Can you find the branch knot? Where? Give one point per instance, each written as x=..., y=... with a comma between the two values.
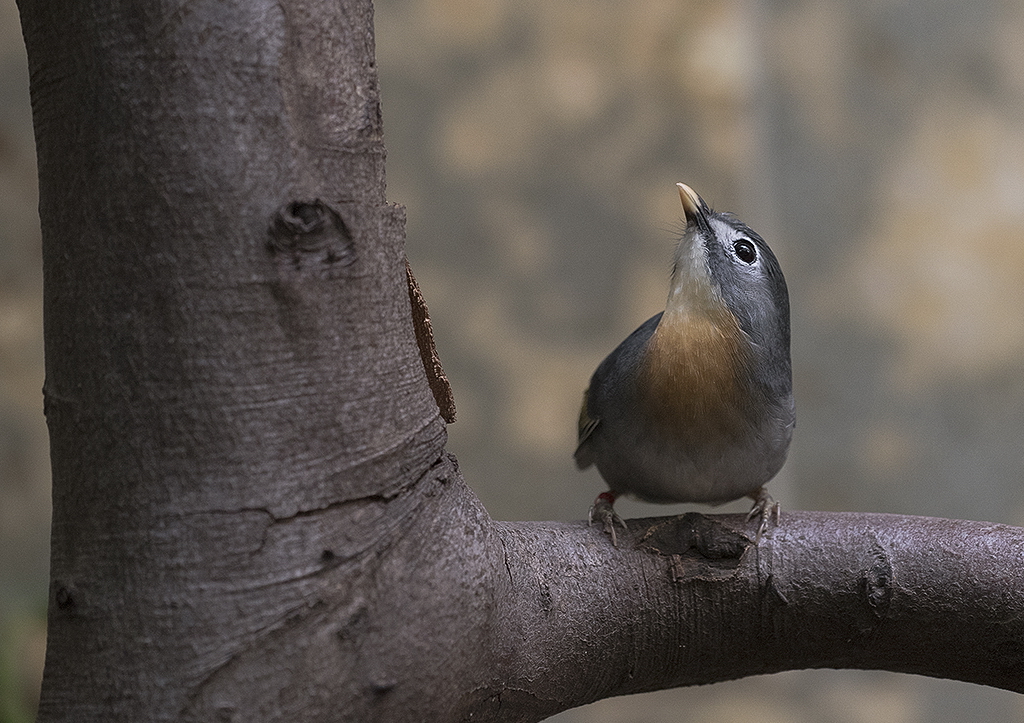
x=311, y=234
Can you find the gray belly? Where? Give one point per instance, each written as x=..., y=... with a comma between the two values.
x=639, y=461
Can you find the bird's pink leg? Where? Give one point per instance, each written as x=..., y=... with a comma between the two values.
x=603, y=511
x=765, y=508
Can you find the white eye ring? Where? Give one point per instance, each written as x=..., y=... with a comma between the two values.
x=745, y=251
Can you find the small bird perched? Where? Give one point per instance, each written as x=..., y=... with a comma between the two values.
x=696, y=405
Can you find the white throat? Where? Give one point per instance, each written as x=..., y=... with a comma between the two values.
x=691, y=290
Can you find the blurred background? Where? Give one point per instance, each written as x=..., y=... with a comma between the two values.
x=878, y=145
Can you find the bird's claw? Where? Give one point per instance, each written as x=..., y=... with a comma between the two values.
x=766, y=509
x=603, y=511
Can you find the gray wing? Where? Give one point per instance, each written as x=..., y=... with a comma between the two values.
x=585, y=428
x=612, y=377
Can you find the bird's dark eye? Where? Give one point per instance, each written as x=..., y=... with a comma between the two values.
x=745, y=251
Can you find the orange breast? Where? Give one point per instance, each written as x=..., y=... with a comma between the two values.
x=694, y=378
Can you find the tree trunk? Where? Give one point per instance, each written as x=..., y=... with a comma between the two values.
x=254, y=515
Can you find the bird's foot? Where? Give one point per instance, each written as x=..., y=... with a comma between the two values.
x=765, y=509
x=602, y=511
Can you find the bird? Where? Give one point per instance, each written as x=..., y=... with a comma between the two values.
x=696, y=405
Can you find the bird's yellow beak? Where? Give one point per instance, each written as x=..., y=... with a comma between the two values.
x=691, y=201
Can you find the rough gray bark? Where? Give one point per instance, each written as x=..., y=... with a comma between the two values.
x=254, y=516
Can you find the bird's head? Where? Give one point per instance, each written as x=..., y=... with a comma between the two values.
x=724, y=268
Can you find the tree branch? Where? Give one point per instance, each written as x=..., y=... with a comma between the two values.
x=471, y=619
x=695, y=601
